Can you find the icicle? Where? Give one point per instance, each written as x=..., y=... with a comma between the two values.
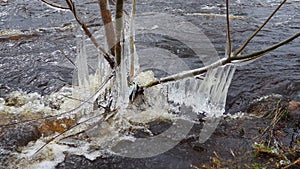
x=82, y=71
x=207, y=95
x=122, y=86
x=134, y=65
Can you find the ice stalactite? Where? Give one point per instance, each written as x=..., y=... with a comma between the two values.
x=81, y=84
x=207, y=95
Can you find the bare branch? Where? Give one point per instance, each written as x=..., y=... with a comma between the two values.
x=221, y=62
x=292, y=164
x=54, y=5
x=238, y=51
x=265, y=51
x=89, y=34
x=189, y=73
x=229, y=48
x=57, y=137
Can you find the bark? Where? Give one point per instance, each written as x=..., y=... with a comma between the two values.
x=108, y=25
x=119, y=28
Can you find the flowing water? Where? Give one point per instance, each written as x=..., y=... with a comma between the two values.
x=36, y=61
x=38, y=42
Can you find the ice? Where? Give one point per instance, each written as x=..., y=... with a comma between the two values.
x=133, y=59
x=82, y=67
x=122, y=85
x=207, y=95
x=129, y=65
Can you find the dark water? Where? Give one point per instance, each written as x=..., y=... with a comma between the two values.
x=34, y=60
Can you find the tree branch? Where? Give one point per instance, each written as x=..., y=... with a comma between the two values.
x=54, y=5
x=221, y=62
x=89, y=34
x=238, y=51
x=265, y=51
x=229, y=47
x=189, y=73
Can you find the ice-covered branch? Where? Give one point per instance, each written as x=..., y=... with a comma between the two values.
x=221, y=62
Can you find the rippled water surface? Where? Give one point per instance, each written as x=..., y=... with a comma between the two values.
x=36, y=41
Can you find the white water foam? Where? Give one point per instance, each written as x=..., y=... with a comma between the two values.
x=206, y=96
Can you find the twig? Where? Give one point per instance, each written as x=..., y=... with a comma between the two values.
x=277, y=116
x=68, y=58
x=229, y=47
x=221, y=62
x=238, y=51
x=294, y=163
x=64, y=132
x=267, y=50
x=54, y=5
x=89, y=34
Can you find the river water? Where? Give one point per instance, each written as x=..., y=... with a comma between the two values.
x=35, y=41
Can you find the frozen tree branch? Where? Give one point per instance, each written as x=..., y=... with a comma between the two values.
x=221, y=62
x=232, y=58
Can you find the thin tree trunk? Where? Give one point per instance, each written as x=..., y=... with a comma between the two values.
x=119, y=28
x=108, y=25
x=90, y=35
